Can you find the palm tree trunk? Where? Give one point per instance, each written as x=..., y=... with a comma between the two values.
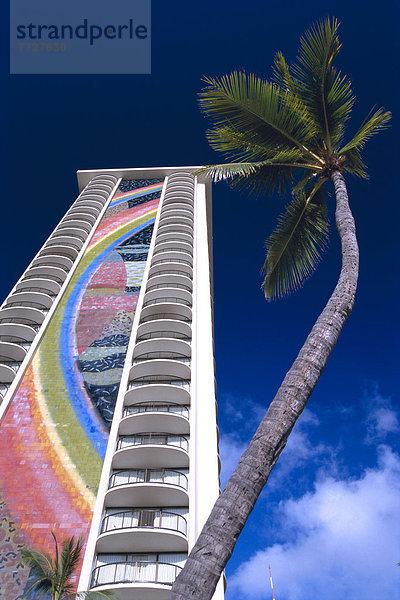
x=217, y=540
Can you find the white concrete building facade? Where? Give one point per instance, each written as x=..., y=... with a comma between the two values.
x=160, y=474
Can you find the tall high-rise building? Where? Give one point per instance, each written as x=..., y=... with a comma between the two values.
x=108, y=413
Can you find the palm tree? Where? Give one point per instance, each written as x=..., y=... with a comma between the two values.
x=52, y=576
x=288, y=131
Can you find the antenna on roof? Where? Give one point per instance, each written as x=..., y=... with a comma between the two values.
x=272, y=584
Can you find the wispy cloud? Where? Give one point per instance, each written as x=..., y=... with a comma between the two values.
x=343, y=541
x=382, y=419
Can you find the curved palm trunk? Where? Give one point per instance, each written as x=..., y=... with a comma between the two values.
x=217, y=540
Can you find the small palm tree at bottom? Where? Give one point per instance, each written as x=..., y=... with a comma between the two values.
x=53, y=576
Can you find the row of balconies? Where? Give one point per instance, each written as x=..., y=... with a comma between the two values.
x=26, y=308
x=148, y=486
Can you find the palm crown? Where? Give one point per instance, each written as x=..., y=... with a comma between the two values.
x=289, y=131
x=52, y=576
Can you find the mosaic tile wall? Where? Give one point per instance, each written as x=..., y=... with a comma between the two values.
x=54, y=435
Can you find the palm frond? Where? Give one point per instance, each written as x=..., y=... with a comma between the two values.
x=256, y=178
x=41, y=569
x=258, y=108
x=373, y=124
x=295, y=247
x=325, y=92
x=354, y=163
x=245, y=147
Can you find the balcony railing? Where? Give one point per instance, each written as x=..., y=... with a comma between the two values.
x=137, y=476
x=157, y=439
x=21, y=321
x=27, y=304
x=171, y=299
x=4, y=387
x=55, y=242
x=161, y=356
x=154, y=519
x=170, y=272
x=164, y=334
x=176, y=409
x=179, y=286
x=135, y=572
x=161, y=261
x=168, y=315
x=35, y=289
x=182, y=383
x=49, y=276
x=13, y=339
x=159, y=250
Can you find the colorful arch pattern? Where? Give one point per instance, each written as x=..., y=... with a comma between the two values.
x=54, y=435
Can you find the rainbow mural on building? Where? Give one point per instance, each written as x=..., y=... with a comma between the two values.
x=55, y=432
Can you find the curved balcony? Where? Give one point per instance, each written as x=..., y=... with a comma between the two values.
x=7, y=372
x=154, y=449
x=64, y=240
x=170, y=256
x=62, y=262
x=159, y=369
x=175, y=236
x=11, y=352
x=143, y=530
x=166, y=310
x=57, y=274
x=162, y=391
x=176, y=203
x=165, y=249
x=162, y=348
x=182, y=186
x=47, y=285
x=177, y=245
x=156, y=417
x=39, y=300
x=147, y=487
x=89, y=202
x=16, y=332
x=75, y=225
x=83, y=211
x=141, y=580
x=165, y=296
x=178, y=211
x=21, y=314
x=42, y=295
x=174, y=228
x=164, y=328
x=169, y=280
x=60, y=250
x=175, y=221
x=171, y=268
x=75, y=216
x=73, y=232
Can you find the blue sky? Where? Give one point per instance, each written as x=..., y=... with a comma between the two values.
x=328, y=518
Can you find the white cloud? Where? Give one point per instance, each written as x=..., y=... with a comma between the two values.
x=382, y=419
x=298, y=450
x=344, y=542
x=230, y=450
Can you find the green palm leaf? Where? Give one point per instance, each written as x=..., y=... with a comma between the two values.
x=295, y=247
x=255, y=177
x=257, y=108
x=244, y=147
x=372, y=125
x=324, y=91
x=41, y=569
